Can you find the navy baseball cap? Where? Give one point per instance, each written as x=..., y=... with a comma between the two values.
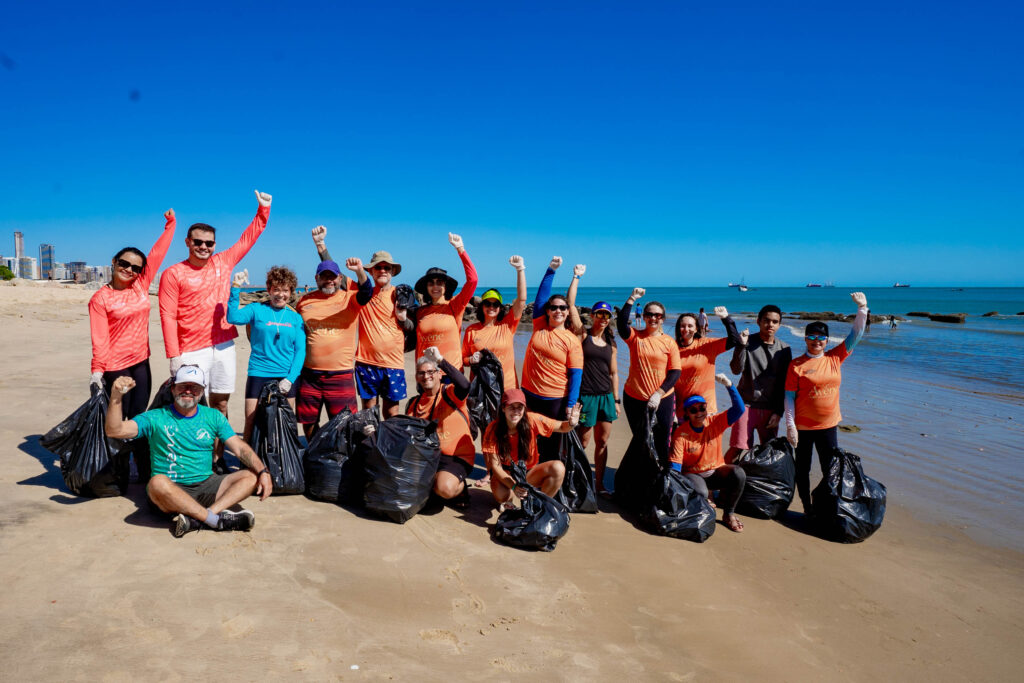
x=602, y=306
x=330, y=266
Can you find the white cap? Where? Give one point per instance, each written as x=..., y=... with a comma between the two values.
x=190, y=373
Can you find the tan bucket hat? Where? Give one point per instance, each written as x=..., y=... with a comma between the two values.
x=384, y=257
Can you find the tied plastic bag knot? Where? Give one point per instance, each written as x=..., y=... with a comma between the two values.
x=848, y=505
x=400, y=467
x=276, y=441
x=538, y=524
x=333, y=462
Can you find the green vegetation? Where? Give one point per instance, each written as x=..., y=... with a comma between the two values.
x=5, y=273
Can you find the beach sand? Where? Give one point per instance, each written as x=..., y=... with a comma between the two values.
x=100, y=590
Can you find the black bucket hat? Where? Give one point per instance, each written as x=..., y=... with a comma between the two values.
x=449, y=282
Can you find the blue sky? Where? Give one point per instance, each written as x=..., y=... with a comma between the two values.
x=673, y=143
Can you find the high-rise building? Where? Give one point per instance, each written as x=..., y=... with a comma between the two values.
x=47, y=261
x=27, y=268
x=76, y=271
x=19, y=251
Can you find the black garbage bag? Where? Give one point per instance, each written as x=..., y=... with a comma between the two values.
x=164, y=397
x=405, y=298
x=276, y=440
x=333, y=462
x=677, y=509
x=538, y=524
x=638, y=469
x=848, y=505
x=577, y=492
x=771, y=479
x=400, y=467
x=91, y=463
x=484, y=400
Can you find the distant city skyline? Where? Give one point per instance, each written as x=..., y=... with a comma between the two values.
x=659, y=143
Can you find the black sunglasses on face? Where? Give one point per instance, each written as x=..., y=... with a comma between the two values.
x=196, y=242
x=655, y=316
x=121, y=263
x=699, y=408
x=558, y=308
x=490, y=303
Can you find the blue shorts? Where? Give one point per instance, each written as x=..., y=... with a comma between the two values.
x=372, y=381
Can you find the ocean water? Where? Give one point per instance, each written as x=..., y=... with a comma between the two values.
x=939, y=407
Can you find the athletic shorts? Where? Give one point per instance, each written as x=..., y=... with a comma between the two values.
x=205, y=492
x=742, y=435
x=217, y=363
x=319, y=388
x=457, y=467
x=254, y=386
x=597, y=408
x=373, y=381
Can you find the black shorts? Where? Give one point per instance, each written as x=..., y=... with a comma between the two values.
x=254, y=385
x=205, y=492
x=457, y=467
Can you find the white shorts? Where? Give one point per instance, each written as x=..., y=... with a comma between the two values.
x=217, y=363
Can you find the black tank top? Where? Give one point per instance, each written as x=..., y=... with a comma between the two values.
x=597, y=368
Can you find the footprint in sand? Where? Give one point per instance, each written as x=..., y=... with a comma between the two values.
x=437, y=635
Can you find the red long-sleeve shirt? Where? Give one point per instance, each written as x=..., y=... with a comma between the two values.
x=441, y=324
x=193, y=300
x=119, y=318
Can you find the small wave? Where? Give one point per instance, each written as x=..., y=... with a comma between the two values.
x=796, y=332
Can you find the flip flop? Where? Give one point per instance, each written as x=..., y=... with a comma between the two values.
x=735, y=524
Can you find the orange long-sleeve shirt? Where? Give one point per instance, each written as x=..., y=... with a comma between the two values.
x=119, y=318
x=441, y=324
x=193, y=300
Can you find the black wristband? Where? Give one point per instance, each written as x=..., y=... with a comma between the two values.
x=265, y=470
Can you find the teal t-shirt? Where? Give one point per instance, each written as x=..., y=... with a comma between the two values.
x=182, y=447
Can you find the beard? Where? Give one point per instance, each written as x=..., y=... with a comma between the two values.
x=185, y=403
x=329, y=288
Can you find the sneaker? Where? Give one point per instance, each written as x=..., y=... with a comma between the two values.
x=184, y=524
x=243, y=520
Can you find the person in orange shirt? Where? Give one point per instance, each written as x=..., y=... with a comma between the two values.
x=380, y=354
x=439, y=320
x=553, y=364
x=697, y=355
x=812, y=397
x=331, y=316
x=446, y=405
x=497, y=327
x=513, y=438
x=697, y=451
x=119, y=327
x=653, y=372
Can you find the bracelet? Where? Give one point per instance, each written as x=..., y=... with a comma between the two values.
x=265, y=470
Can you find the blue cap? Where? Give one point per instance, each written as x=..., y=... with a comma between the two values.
x=602, y=306
x=696, y=398
x=328, y=266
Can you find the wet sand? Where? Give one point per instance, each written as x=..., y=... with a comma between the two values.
x=98, y=589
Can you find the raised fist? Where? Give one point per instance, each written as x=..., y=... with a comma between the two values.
x=169, y=214
x=723, y=380
x=455, y=241
x=517, y=262
x=859, y=299
x=354, y=263
x=721, y=312
x=579, y=269
x=555, y=262
x=319, y=234
x=433, y=354
x=638, y=293
x=123, y=385
x=241, y=278
x=744, y=336
x=263, y=198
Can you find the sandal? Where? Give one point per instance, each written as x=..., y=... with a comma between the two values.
x=732, y=522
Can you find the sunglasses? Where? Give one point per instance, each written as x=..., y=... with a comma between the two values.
x=490, y=303
x=121, y=263
x=817, y=337
x=382, y=266
x=655, y=316
x=196, y=242
x=698, y=408
x=427, y=372
x=603, y=314
x=437, y=281
x=558, y=308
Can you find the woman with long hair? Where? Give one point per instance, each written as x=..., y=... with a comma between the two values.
x=553, y=364
x=439, y=320
x=697, y=355
x=278, y=338
x=496, y=326
x=513, y=438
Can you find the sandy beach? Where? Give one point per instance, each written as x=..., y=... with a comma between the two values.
x=100, y=590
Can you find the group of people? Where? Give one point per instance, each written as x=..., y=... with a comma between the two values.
x=348, y=338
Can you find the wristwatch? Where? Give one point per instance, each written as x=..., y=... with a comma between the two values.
x=265, y=470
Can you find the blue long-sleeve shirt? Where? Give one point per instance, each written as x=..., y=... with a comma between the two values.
x=278, y=338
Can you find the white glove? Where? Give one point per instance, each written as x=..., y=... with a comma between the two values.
x=285, y=386
x=654, y=401
x=791, y=435
x=574, y=414
x=240, y=279
x=319, y=234
x=175, y=364
x=723, y=380
x=475, y=358
x=555, y=262
x=638, y=293
x=859, y=299
x=369, y=430
x=721, y=312
x=744, y=336
x=97, y=379
x=455, y=241
x=579, y=269
x=433, y=354
x=263, y=198
x=517, y=263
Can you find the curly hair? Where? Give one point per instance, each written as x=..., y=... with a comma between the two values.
x=281, y=276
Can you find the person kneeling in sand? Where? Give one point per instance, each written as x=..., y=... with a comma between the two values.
x=181, y=440
x=513, y=437
x=697, y=451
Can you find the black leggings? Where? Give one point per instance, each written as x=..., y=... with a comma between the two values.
x=636, y=415
x=824, y=441
x=548, y=446
x=728, y=479
x=135, y=402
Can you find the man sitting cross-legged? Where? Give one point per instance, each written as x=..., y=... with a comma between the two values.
x=181, y=439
